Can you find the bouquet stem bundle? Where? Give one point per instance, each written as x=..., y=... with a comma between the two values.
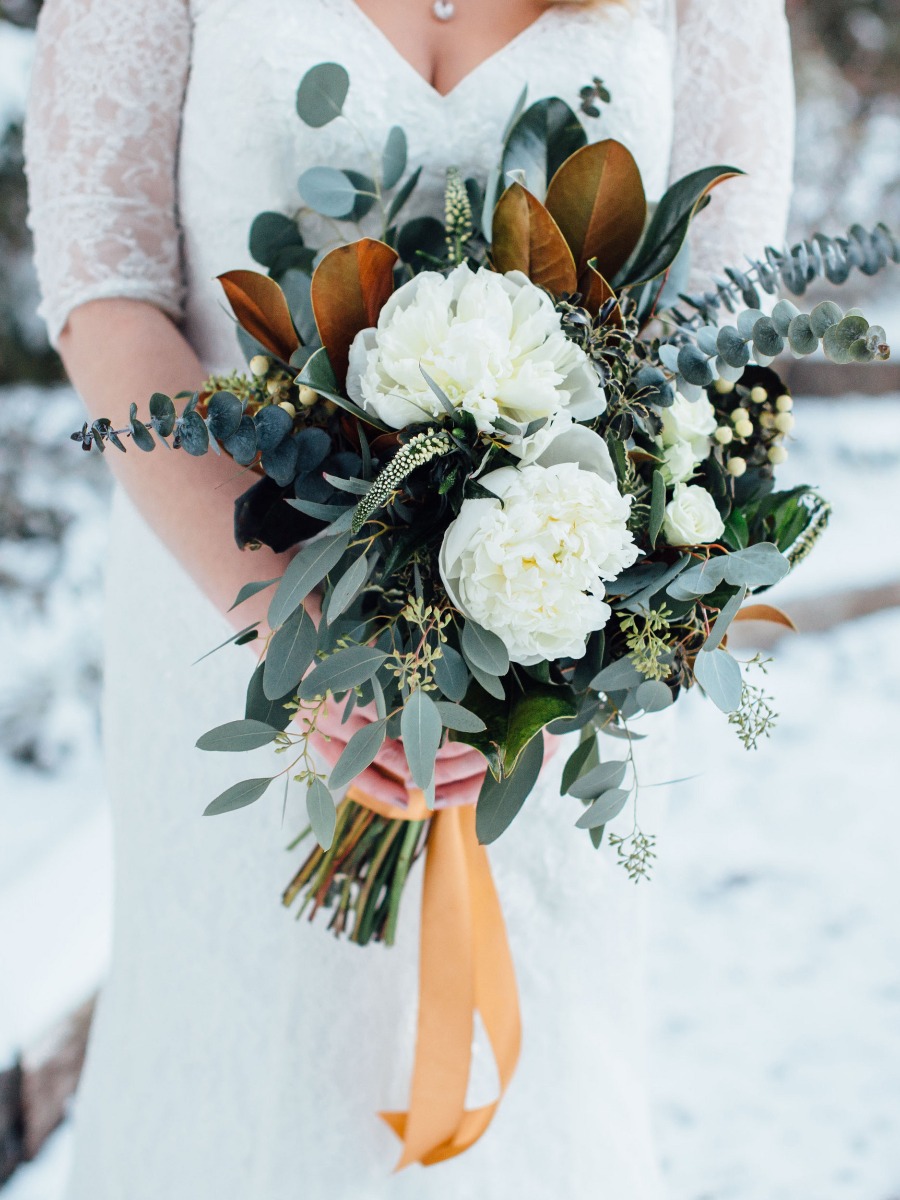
x=360, y=878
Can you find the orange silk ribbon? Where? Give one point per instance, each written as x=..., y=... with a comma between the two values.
x=465, y=964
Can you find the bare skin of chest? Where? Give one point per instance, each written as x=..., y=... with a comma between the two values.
x=444, y=52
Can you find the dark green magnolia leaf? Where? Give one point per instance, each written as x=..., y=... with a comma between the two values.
x=239, y=795
x=305, y=571
x=454, y=716
x=321, y=812
x=724, y=619
x=450, y=674
x=607, y=775
x=603, y=810
x=290, y=652
x=162, y=410
x=421, y=730
x=670, y=224
x=501, y=800
x=252, y=589
x=194, y=434
x=238, y=736
x=358, y=754
x=347, y=589
x=223, y=415
x=421, y=242
x=539, y=142
x=342, y=671
x=393, y=160
x=318, y=374
x=321, y=94
x=720, y=677
x=532, y=712
x=484, y=649
x=657, y=507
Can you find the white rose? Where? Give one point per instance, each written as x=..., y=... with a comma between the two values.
x=691, y=421
x=678, y=463
x=529, y=565
x=493, y=344
x=692, y=518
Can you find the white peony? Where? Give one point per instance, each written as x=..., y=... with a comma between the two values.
x=529, y=565
x=691, y=421
x=493, y=343
x=678, y=463
x=692, y=518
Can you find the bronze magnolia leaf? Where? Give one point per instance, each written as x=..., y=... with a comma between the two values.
x=597, y=200
x=350, y=286
x=526, y=238
x=260, y=307
x=595, y=292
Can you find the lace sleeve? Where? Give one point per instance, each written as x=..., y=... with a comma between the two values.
x=734, y=104
x=101, y=142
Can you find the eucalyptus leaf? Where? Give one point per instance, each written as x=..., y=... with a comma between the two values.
x=484, y=649
x=347, y=589
x=501, y=800
x=724, y=619
x=657, y=507
x=162, y=410
x=194, y=434
x=358, y=754
x=576, y=762
x=617, y=677
x=321, y=94
x=321, y=812
x=304, y=572
x=609, y=805
x=223, y=415
x=260, y=708
x=328, y=191
x=341, y=671
x=421, y=730
x=393, y=160
x=450, y=674
x=290, y=652
x=600, y=779
x=239, y=795
x=653, y=696
x=238, y=736
x=454, y=716
x=234, y=638
x=720, y=677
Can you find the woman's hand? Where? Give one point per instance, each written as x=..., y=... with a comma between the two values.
x=117, y=351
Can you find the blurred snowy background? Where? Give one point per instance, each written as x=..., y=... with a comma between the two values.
x=775, y=992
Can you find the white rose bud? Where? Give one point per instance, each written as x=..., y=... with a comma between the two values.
x=724, y=435
x=784, y=403
x=785, y=422
x=692, y=518
x=778, y=455
x=679, y=463
x=259, y=365
x=737, y=466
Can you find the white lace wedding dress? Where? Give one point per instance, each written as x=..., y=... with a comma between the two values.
x=238, y=1055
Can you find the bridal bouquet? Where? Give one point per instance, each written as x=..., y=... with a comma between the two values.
x=530, y=480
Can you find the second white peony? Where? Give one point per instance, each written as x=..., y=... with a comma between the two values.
x=493, y=344
x=529, y=566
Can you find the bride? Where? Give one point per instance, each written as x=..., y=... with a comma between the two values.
x=237, y=1055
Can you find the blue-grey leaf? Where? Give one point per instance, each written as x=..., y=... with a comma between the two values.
x=484, y=649
x=600, y=779
x=421, y=730
x=654, y=696
x=242, y=445
x=321, y=94
x=454, y=716
x=304, y=572
x=239, y=795
x=290, y=652
x=273, y=425
x=321, y=812
x=617, y=677
x=393, y=160
x=252, y=589
x=347, y=589
x=760, y=565
x=234, y=638
x=500, y=801
x=223, y=415
x=341, y=671
x=724, y=619
x=451, y=674
x=720, y=677
x=609, y=805
x=237, y=736
x=328, y=191
x=194, y=434
x=358, y=754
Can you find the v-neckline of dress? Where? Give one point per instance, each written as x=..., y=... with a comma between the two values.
x=375, y=30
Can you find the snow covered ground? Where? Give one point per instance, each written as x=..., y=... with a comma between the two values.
x=776, y=960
